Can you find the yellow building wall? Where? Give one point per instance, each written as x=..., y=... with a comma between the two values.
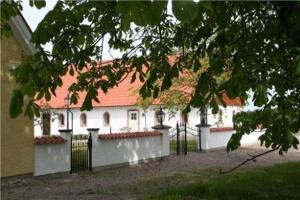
x=17, y=137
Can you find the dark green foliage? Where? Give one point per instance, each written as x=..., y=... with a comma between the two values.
x=257, y=42
x=10, y=8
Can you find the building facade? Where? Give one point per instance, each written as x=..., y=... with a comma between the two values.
x=17, y=147
x=115, y=119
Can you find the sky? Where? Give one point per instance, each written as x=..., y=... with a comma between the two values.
x=34, y=16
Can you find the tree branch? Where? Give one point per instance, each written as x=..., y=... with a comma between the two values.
x=253, y=158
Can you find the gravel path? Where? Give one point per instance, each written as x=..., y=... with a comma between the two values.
x=133, y=181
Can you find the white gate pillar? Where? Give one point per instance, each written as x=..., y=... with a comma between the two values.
x=66, y=134
x=204, y=137
x=165, y=139
x=92, y=144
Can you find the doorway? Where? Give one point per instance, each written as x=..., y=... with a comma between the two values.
x=133, y=120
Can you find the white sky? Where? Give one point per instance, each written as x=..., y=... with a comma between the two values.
x=34, y=16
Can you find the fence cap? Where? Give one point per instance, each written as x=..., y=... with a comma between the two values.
x=92, y=129
x=65, y=130
x=157, y=127
x=203, y=125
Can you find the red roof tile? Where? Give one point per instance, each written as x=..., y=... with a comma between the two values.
x=49, y=139
x=121, y=95
x=221, y=129
x=116, y=136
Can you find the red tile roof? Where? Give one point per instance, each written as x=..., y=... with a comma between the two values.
x=116, y=136
x=121, y=95
x=49, y=139
x=221, y=129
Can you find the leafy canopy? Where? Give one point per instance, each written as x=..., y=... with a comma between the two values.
x=10, y=9
x=258, y=42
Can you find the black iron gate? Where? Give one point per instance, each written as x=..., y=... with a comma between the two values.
x=81, y=153
x=184, y=139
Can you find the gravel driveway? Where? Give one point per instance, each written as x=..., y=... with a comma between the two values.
x=133, y=182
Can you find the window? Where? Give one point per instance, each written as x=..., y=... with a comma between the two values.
x=133, y=116
x=46, y=117
x=61, y=120
x=83, y=119
x=106, y=119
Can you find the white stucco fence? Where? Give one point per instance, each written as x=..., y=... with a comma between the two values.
x=53, y=158
x=215, y=140
x=129, y=150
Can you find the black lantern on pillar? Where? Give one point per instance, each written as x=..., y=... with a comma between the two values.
x=203, y=116
x=67, y=101
x=160, y=116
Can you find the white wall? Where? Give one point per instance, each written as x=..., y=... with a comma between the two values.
x=53, y=158
x=118, y=119
x=130, y=150
x=219, y=139
x=213, y=140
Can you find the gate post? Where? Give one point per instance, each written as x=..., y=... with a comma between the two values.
x=185, y=139
x=67, y=135
x=177, y=139
x=204, y=136
x=199, y=142
x=165, y=144
x=93, y=132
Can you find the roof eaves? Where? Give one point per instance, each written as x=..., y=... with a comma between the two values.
x=23, y=33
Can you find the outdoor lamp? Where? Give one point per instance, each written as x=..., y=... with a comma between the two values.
x=160, y=116
x=203, y=116
x=67, y=101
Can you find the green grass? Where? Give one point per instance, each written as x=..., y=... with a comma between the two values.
x=276, y=182
x=191, y=145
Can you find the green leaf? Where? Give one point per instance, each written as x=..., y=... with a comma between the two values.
x=133, y=77
x=298, y=65
x=16, y=104
x=155, y=92
x=36, y=109
x=29, y=111
x=232, y=88
x=197, y=65
x=28, y=89
x=207, y=5
x=167, y=82
x=214, y=105
x=87, y=103
x=185, y=11
x=71, y=71
x=40, y=4
x=260, y=96
x=37, y=3
x=48, y=96
x=153, y=12
x=142, y=13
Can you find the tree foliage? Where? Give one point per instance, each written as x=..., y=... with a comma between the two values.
x=10, y=8
x=258, y=42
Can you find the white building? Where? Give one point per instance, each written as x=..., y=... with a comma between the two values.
x=117, y=112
